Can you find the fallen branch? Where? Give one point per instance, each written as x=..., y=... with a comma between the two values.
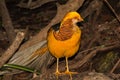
x=115, y=66
x=94, y=6
x=108, y=4
x=94, y=48
x=7, y=22
x=11, y=50
x=33, y=4
x=92, y=54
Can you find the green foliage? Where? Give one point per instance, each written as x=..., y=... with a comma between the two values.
x=23, y=68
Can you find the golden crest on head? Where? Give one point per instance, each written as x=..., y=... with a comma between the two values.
x=72, y=15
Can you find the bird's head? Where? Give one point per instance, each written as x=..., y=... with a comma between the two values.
x=73, y=16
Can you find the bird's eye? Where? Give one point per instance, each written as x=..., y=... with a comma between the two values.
x=79, y=23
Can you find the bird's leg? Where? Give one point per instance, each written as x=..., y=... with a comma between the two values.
x=57, y=71
x=67, y=69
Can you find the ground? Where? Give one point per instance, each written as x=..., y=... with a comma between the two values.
x=106, y=32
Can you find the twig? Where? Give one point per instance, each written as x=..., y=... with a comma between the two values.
x=94, y=39
x=112, y=10
x=92, y=54
x=94, y=6
x=33, y=4
x=94, y=48
x=115, y=66
x=29, y=3
x=11, y=50
x=7, y=22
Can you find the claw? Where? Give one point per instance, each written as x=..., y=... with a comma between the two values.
x=70, y=73
x=57, y=73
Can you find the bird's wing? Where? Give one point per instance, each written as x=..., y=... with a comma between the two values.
x=56, y=27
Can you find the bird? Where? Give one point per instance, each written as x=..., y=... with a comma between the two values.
x=64, y=40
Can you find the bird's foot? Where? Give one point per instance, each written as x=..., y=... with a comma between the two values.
x=70, y=73
x=57, y=73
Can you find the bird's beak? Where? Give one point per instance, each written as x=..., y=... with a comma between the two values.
x=80, y=20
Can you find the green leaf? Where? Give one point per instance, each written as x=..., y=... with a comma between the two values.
x=24, y=68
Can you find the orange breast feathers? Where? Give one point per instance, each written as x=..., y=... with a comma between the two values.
x=65, y=41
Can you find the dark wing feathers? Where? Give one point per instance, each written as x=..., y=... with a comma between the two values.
x=56, y=27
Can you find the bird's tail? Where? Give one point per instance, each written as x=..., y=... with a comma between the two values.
x=39, y=52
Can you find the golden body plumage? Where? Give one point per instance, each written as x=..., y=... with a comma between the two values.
x=65, y=48
x=65, y=41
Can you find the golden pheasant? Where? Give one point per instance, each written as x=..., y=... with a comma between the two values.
x=65, y=40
